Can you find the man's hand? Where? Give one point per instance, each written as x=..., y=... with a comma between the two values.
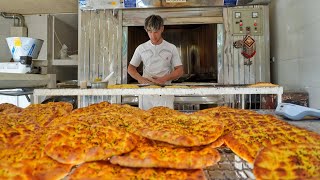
x=178, y=72
x=159, y=80
x=144, y=80
x=132, y=70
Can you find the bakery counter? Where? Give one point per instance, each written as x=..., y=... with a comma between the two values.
x=310, y=124
x=187, y=91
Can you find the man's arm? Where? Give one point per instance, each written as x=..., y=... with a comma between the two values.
x=175, y=74
x=132, y=70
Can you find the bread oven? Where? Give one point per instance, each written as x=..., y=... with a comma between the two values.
x=197, y=45
x=207, y=34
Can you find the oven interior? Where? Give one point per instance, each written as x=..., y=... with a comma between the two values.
x=196, y=43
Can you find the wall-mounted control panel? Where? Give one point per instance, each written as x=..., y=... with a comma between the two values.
x=247, y=19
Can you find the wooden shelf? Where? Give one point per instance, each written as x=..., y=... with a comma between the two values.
x=65, y=62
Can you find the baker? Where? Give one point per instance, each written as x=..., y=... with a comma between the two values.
x=161, y=63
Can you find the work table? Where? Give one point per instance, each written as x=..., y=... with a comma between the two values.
x=313, y=125
x=188, y=91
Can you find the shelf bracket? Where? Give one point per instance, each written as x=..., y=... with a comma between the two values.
x=115, y=12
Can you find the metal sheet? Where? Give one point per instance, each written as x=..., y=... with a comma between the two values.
x=18, y=80
x=118, y=4
x=173, y=16
x=100, y=48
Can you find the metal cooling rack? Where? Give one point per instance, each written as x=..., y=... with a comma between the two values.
x=230, y=167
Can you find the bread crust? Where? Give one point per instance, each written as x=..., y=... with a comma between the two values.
x=24, y=158
x=78, y=142
x=247, y=142
x=263, y=84
x=6, y=108
x=295, y=161
x=162, y=111
x=151, y=153
x=105, y=170
x=182, y=130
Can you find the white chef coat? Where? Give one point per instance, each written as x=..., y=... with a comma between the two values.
x=158, y=60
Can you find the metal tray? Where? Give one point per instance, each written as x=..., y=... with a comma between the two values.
x=144, y=85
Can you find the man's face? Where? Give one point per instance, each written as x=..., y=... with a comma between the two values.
x=155, y=36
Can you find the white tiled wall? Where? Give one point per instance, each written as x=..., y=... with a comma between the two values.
x=295, y=46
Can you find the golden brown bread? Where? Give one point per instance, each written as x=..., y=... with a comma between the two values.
x=149, y=153
x=182, y=130
x=105, y=170
x=294, y=161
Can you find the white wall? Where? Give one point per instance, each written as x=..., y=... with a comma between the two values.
x=32, y=22
x=20, y=101
x=37, y=25
x=295, y=45
x=5, y=25
x=39, y=6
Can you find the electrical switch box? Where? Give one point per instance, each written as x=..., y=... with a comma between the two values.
x=245, y=19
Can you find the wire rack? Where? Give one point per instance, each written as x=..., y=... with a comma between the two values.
x=230, y=166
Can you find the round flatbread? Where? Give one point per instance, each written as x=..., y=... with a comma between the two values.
x=246, y=143
x=162, y=111
x=105, y=170
x=150, y=153
x=24, y=158
x=78, y=142
x=295, y=161
x=182, y=130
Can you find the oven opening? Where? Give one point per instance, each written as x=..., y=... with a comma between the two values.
x=197, y=45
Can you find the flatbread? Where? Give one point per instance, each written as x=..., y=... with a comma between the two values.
x=13, y=171
x=263, y=84
x=24, y=158
x=6, y=108
x=78, y=142
x=235, y=119
x=157, y=154
x=45, y=113
x=122, y=121
x=247, y=142
x=107, y=171
x=12, y=125
x=294, y=161
x=123, y=86
x=182, y=130
x=162, y=111
x=177, y=86
x=105, y=107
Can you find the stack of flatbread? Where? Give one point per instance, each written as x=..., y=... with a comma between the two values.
x=105, y=141
x=22, y=140
x=277, y=149
x=168, y=145
x=113, y=141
